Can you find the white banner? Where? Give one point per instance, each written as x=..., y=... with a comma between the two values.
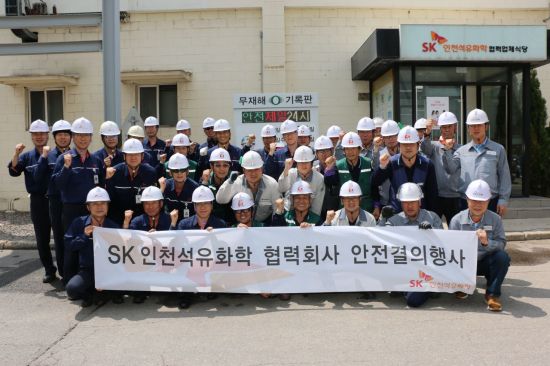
x=286, y=260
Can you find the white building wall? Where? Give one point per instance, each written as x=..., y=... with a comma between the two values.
x=306, y=46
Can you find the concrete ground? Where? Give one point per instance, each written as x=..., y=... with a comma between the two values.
x=39, y=326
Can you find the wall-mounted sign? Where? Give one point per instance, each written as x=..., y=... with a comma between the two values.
x=435, y=106
x=253, y=111
x=472, y=42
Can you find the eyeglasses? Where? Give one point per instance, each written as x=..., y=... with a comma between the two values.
x=242, y=212
x=208, y=128
x=222, y=165
x=175, y=171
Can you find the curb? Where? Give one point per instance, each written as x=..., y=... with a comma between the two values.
x=510, y=236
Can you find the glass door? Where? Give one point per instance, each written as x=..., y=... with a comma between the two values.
x=493, y=102
x=432, y=100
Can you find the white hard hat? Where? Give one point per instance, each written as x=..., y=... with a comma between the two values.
x=408, y=135
x=182, y=125
x=478, y=190
x=132, y=146
x=350, y=189
x=300, y=187
x=334, y=131
x=39, y=126
x=446, y=118
x=178, y=161
x=208, y=122
x=389, y=128
x=151, y=121
x=221, y=125
x=322, y=143
x=220, y=154
x=409, y=192
x=181, y=139
x=109, y=128
x=252, y=160
x=151, y=193
x=420, y=124
x=268, y=131
x=304, y=130
x=303, y=154
x=351, y=139
x=241, y=201
x=378, y=122
x=477, y=117
x=61, y=125
x=288, y=126
x=97, y=194
x=202, y=194
x=82, y=125
x=136, y=131
x=365, y=124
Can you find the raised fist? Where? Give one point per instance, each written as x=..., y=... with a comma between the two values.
x=251, y=139
x=279, y=205
x=330, y=162
x=384, y=160
x=378, y=141
x=168, y=142
x=174, y=217
x=19, y=148
x=162, y=158
x=67, y=160
x=45, y=151
x=108, y=160
x=203, y=151
x=330, y=216
x=288, y=164
x=110, y=172
x=162, y=183
x=128, y=215
x=205, y=176
x=449, y=143
x=272, y=148
x=429, y=126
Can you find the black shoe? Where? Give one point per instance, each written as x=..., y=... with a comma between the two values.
x=117, y=299
x=211, y=296
x=87, y=302
x=49, y=278
x=185, y=303
x=139, y=299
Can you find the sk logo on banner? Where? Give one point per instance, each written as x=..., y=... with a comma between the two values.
x=436, y=39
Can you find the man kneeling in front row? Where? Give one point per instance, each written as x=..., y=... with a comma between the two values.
x=492, y=259
x=410, y=195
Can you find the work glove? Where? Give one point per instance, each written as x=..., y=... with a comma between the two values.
x=425, y=225
x=387, y=212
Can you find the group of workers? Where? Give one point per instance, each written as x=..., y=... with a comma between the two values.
x=381, y=174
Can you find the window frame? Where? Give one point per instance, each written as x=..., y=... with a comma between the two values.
x=157, y=100
x=45, y=91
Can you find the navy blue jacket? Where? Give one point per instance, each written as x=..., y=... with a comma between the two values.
x=191, y=223
x=421, y=173
x=180, y=202
x=142, y=223
x=77, y=241
x=28, y=163
x=117, y=158
x=44, y=173
x=275, y=165
x=75, y=182
x=235, y=154
x=154, y=151
x=123, y=190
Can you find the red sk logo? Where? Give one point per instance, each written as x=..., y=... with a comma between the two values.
x=407, y=136
x=300, y=189
x=240, y=203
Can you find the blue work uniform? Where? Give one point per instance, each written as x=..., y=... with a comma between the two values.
x=235, y=154
x=154, y=151
x=39, y=207
x=125, y=190
x=82, y=285
x=102, y=153
x=421, y=173
x=146, y=223
x=44, y=174
x=274, y=165
x=180, y=201
x=192, y=223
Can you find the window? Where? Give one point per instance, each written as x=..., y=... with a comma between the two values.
x=160, y=101
x=46, y=105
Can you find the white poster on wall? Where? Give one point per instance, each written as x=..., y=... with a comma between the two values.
x=254, y=111
x=435, y=106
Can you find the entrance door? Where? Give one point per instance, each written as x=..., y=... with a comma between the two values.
x=432, y=100
x=493, y=102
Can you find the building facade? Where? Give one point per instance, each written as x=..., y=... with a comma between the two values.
x=187, y=59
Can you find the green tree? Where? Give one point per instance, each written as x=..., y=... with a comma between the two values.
x=539, y=157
